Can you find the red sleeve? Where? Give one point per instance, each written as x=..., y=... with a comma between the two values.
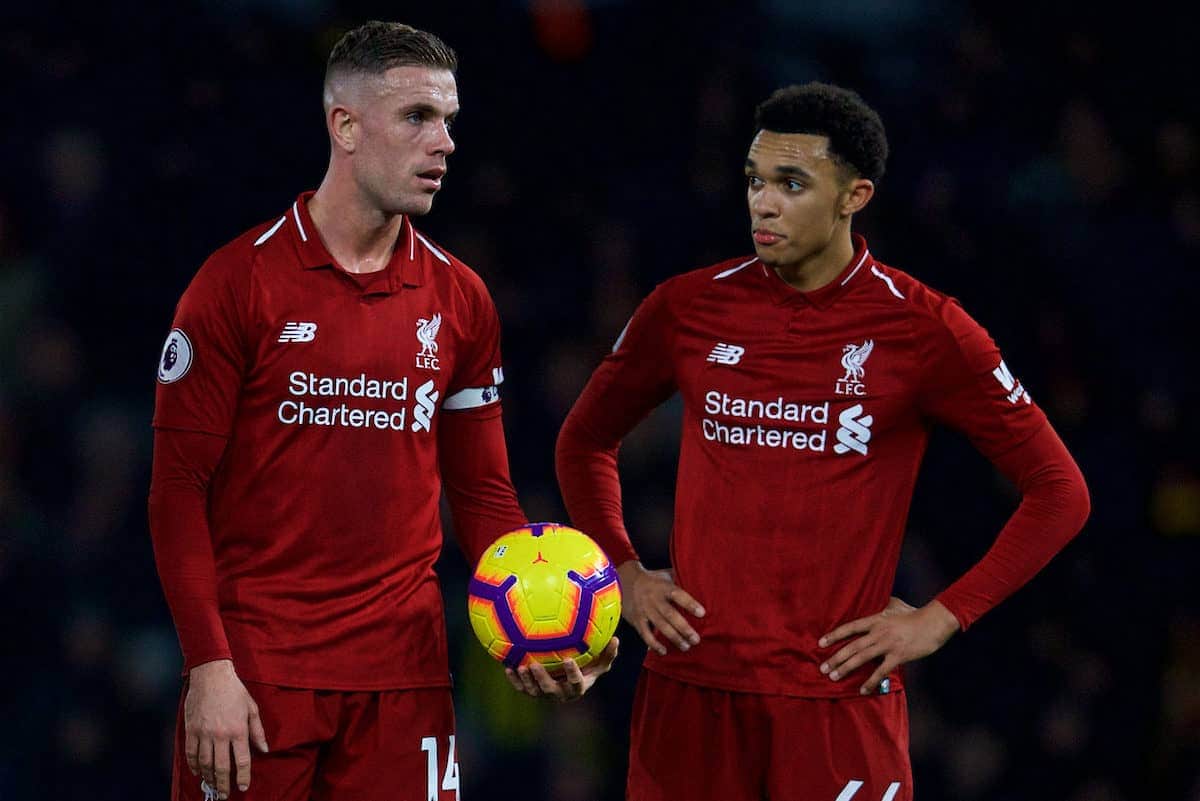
x=970, y=388
x=475, y=478
x=204, y=358
x=184, y=463
x=477, y=370
x=1054, y=506
x=472, y=454
x=631, y=381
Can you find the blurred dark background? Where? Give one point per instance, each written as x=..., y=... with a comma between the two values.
x=1044, y=171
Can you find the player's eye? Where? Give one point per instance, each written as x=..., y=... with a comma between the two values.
x=794, y=186
x=754, y=181
x=415, y=117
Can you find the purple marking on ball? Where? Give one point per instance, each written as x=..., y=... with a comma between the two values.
x=521, y=644
x=490, y=592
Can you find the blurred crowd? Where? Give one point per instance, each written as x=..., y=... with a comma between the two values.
x=1044, y=170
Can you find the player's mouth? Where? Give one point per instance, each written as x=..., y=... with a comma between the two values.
x=431, y=179
x=764, y=237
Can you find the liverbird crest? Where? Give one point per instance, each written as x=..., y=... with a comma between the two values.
x=853, y=358
x=427, y=331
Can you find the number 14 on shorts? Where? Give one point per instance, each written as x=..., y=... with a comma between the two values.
x=449, y=778
x=852, y=787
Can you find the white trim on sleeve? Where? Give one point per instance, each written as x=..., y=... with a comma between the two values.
x=271, y=232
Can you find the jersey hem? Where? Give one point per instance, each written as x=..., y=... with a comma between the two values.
x=309, y=683
x=851, y=691
x=189, y=429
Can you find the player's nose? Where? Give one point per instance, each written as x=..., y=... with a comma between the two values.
x=763, y=204
x=443, y=144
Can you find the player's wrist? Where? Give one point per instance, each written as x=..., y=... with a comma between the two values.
x=947, y=624
x=629, y=570
x=212, y=669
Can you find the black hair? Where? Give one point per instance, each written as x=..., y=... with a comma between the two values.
x=855, y=131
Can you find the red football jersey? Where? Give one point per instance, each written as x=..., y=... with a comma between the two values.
x=806, y=415
x=323, y=510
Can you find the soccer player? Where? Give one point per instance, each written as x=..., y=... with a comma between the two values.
x=329, y=374
x=810, y=375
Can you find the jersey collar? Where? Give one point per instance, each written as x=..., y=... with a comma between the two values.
x=822, y=298
x=406, y=268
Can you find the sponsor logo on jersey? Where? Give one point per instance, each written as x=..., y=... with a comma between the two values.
x=854, y=359
x=176, y=357
x=426, y=405
x=772, y=435
x=726, y=354
x=298, y=332
x=308, y=406
x=427, y=331
x=854, y=430
x=779, y=423
x=1012, y=386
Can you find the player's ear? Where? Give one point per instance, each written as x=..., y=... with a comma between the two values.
x=856, y=196
x=343, y=128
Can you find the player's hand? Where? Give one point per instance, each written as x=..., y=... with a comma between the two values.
x=648, y=601
x=898, y=634
x=535, y=680
x=219, y=716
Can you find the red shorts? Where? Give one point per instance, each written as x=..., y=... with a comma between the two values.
x=696, y=743
x=327, y=746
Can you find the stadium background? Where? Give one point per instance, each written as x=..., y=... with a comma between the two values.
x=1044, y=167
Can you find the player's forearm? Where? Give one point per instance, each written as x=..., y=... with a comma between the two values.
x=183, y=465
x=475, y=476
x=1053, y=508
x=591, y=487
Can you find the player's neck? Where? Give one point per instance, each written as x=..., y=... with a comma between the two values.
x=360, y=237
x=820, y=268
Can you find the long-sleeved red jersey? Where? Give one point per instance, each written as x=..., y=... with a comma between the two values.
x=806, y=415
x=306, y=424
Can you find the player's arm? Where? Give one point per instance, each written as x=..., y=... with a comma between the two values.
x=200, y=378
x=473, y=461
x=219, y=714
x=974, y=392
x=631, y=381
x=475, y=477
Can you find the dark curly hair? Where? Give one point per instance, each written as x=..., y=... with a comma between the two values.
x=856, y=136
x=375, y=47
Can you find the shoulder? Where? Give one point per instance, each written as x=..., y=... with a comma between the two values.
x=939, y=325
x=928, y=308
x=238, y=256
x=442, y=265
x=227, y=270
x=454, y=282
x=681, y=290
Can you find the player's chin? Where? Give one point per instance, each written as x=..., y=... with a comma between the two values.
x=768, y=254
x=416, y=204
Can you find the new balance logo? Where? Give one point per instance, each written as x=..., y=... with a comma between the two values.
x=1015, y=391
x=854, y=432
x=426, y=398
x=298, y=332
x=726, y=354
